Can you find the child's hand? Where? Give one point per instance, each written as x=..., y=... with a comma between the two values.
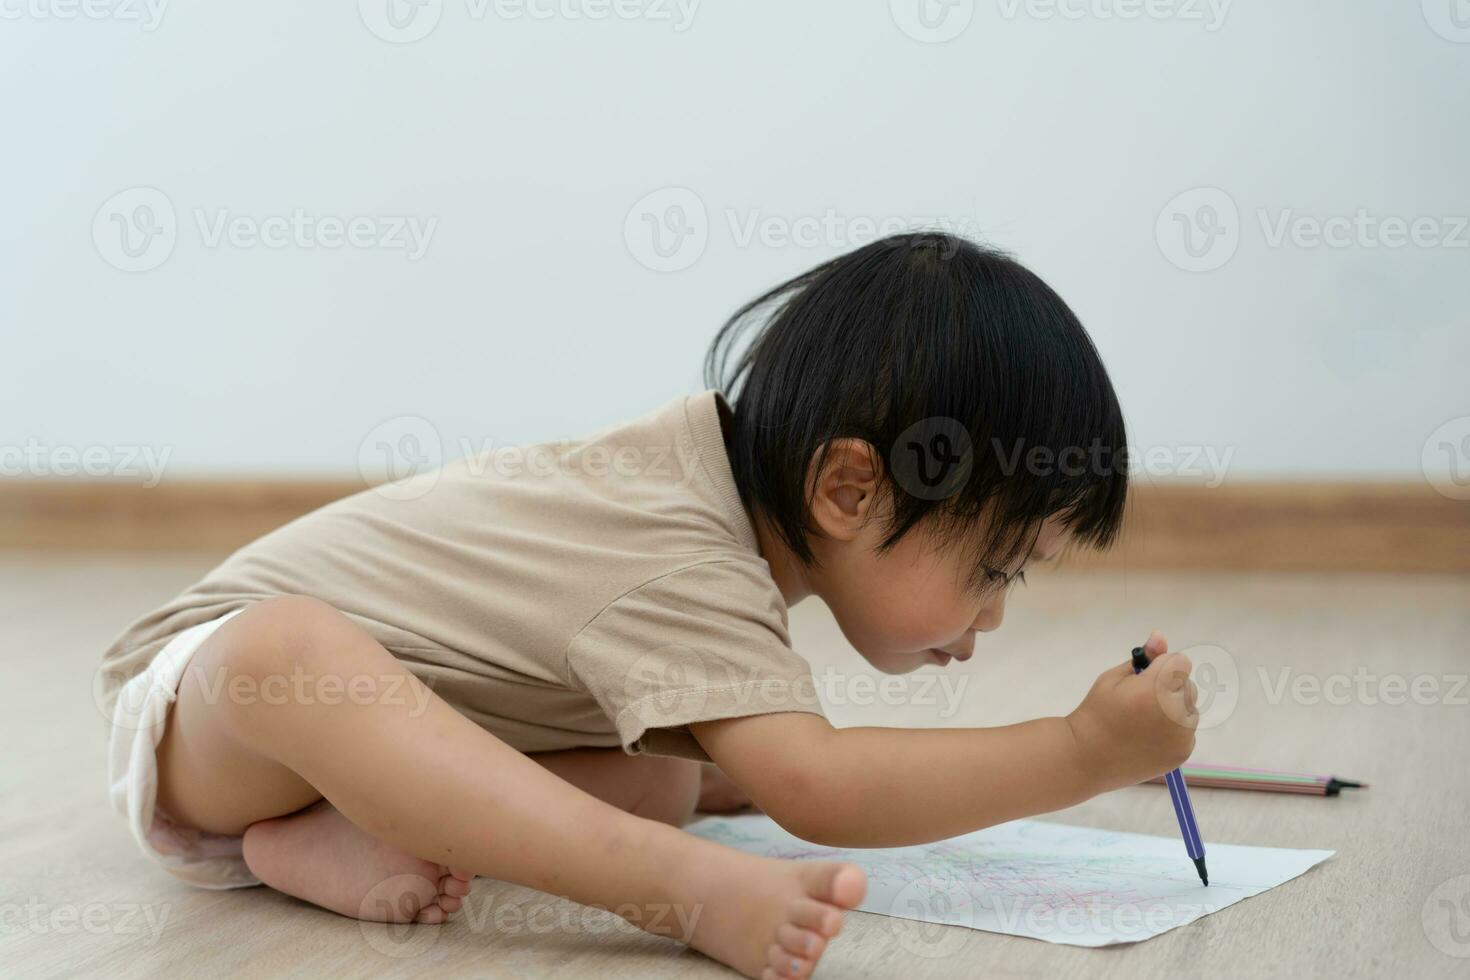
x=1131, y=727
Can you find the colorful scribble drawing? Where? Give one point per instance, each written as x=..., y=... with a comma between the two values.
x=1047, y=881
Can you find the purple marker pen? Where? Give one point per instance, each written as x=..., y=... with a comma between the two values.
x=1179, y=793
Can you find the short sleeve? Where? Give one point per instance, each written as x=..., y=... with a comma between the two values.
x=708, y=641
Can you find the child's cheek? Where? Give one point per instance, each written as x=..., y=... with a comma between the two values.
x=930, y=620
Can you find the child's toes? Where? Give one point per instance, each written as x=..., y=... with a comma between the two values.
x=840, y=884
x=784, y=965
x=431, y=915
x=800, y=942
x=454, y=886
x=819, y=917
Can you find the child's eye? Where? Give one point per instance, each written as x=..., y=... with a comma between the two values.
x=999, y=578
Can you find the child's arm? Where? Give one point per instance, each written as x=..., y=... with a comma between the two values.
x=889, y=787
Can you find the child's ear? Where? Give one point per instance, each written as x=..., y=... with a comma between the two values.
x=844, y=490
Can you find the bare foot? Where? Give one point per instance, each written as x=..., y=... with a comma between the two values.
x=320, y=856
x=769, y=918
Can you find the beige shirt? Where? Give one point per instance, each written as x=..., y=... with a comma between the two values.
x=601, y=592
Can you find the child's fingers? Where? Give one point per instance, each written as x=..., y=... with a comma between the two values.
x=1176, y=693
x=1172, y=670
x=1155, y=646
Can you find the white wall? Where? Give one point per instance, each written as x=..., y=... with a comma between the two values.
x=1061, y=133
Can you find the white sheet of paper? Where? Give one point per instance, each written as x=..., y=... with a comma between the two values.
x=1072, y=885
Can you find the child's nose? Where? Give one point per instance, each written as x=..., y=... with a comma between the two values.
x=991, y=616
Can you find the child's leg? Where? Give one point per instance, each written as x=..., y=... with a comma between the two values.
x=656, y=787
x=403, y=888
x=414, y=774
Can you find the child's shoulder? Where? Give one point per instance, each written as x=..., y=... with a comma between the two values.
x=658, y=487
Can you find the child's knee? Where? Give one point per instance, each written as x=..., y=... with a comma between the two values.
x=261, y=657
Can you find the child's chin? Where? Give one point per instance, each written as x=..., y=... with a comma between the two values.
x=898, y=663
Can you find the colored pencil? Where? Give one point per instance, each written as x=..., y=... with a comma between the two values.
x=1263, y=780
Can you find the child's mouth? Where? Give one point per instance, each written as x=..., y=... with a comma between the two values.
x=940, y=657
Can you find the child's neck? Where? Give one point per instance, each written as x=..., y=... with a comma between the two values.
x=786, y=569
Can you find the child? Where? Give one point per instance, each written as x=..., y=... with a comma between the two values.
x=433, y=679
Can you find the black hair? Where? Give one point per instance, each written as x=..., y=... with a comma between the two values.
x=933, y=349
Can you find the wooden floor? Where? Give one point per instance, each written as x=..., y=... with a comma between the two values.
x=76, y=899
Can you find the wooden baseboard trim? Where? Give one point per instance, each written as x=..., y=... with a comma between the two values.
x=1292, y=527
x=105, y=515
x=1277, y=526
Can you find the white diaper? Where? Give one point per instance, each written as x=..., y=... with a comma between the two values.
x=206, y=860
